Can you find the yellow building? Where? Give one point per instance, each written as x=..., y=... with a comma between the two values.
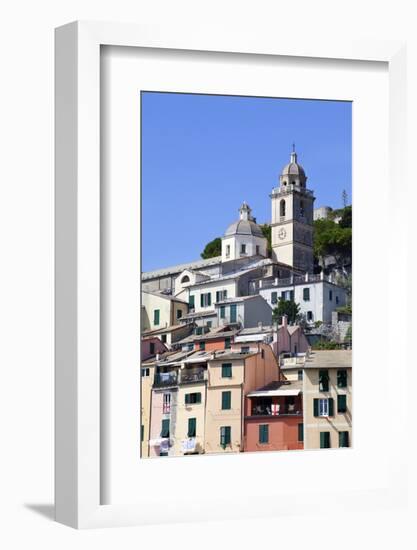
x=161, y=310
x=327, y=396
x=232, y=374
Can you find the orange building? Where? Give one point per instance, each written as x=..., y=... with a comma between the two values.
x=274, y=417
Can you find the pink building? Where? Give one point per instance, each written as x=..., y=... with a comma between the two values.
x=150, y=347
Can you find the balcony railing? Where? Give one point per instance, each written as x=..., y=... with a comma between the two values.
x=165, y=379
x=190, y=377
x=268, y=412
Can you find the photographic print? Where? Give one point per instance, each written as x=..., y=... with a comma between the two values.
x=246, y=262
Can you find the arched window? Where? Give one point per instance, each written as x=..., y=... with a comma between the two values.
x=282, y=208
x=185, y=279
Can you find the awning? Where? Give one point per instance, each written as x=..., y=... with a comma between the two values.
x=275, y=393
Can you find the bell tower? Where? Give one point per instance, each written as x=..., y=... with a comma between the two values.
x=292, y=218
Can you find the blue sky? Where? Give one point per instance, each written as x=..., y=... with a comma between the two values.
x=203, y=155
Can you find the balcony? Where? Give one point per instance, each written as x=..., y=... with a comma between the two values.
x=290, y=411
x=191, y=376
x=276, y=406
x=163, y=379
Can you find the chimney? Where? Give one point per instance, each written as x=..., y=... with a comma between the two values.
x=284, y=321
x=157, y=357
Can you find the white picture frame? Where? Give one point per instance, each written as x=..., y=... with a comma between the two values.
x=79, y=408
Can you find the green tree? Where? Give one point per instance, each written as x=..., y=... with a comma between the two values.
x=288, y=308
x=266, y=230
x=330, y=239
x=212, y=249
x=346, y=217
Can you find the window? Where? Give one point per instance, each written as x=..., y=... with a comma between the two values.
x=306, y=294
x=233, y=313
x=263, y=433
x=152, y=348
x=283, y=295
x=145, y=371
x=191, y=301
x=343, y=439
x=342, y=378
x=208, y=324
x=300, y=375
x=142, y=432
x=274, y=297
x=185, y=279
x=166, y=403
x=192, y=427
x=163, y=453
x=190, y=347
x=227, y=370
x=291, y=295
x=164, y=338
x=257, y=250
x=156, y=317
x=205, y=299
x=323, y=380
x=309, y=315
x=225, y=436
x=192, y=398
x=323, y=407
x=337, y=300
x=324, y=440
x=221, y=295
x=330, y=295
x=243, y=248
x=222, y=312
x=341, y=403
x=245, y=349
x=198, y=331
x=301, y=432
x=228, y=250
x=227, y=342
x=165, y=428
x=202, y=346
x=226, y=400
x=179, y=313
x=282, y=208
x=263, y=353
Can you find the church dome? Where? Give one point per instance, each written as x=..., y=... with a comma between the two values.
x=246, y=225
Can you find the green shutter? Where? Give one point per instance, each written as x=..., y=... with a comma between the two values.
x=274, y=298
x=301, y=432
x=202, y=346
x=142, y=432
x=202, y=300
x=341, y=378
x=165, y=428
x=324, y=440
x=192, y=427
x=225, y=436
x=218, y=297
x=226, y=370
x=187, y=398
x=209, y=299
x=198, y=397
x=226, y=400
x=331, y=406
x=315, y=407
x=156, y=317
x=263, y=433
x=323, y=380
x=191, y=302
x=233, y=313
x=343, y=439
x=341, y=403
x=222, y=312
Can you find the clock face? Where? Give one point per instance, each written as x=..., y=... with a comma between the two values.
x=282, y=233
